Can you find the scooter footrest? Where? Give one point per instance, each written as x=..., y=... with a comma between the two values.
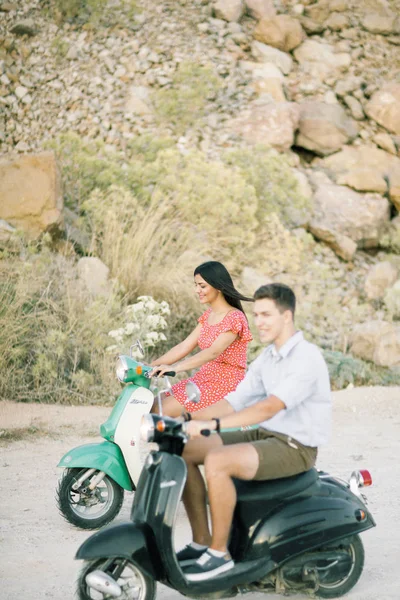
x=242, y=573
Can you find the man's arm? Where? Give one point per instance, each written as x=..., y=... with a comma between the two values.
x=253, y=415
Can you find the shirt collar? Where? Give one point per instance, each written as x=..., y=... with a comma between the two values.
x=287, y=346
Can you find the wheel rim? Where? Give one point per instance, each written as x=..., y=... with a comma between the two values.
x=131, y=580
x=339, y=582
x=95, y=504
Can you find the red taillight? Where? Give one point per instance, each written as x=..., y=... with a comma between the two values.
x=367, y=478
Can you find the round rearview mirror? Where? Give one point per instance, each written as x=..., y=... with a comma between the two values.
x=193, y=392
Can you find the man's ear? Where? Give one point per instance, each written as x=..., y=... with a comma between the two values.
x=288, y=316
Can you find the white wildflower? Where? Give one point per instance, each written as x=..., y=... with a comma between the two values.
x=130, y=328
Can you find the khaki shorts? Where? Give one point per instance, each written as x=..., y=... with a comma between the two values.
x=279, y=455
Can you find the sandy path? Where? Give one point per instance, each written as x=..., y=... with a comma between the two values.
x=37, y=545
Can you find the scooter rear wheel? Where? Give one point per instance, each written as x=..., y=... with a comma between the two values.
x=88, y=509
x=135, y=584
x=331, y=586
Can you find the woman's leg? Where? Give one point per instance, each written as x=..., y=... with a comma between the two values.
x=170, y=407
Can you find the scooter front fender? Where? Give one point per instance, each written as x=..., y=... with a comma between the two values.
x=134, y=541
x=103, y=456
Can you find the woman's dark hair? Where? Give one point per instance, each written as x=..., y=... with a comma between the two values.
x=218, y=277
x=281, y=294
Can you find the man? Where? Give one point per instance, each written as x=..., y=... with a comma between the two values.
x=286, y=392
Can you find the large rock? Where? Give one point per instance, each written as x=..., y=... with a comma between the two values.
x=341, y=211
x=379, y=23
x=379, y=278
x=139, y=101
x=318, y=12
x=229, y=10
x=384, y=107
x=30, y=193
x=268, y=54
x=366, y=169
x=324, y=128
x=270, y=123
x=365, y=337
x=387, y=351
x=282, y=32
x=259, y=9
x=266, y=79
x=320, y=60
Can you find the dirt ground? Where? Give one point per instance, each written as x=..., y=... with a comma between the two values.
x=37, y=546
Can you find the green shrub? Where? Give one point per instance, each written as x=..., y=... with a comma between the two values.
x=346, y=370
x=275, y=184
x=184, y=104
x=94, y=12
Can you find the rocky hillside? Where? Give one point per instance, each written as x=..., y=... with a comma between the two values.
x=317, y=81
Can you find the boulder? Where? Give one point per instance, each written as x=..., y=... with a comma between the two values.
x=318, y=12
x=319, y=59
x=366, y=169
x=387, y=351
x=337, y=22
x=340, y=210
x=259, y=9
x=386, y=142
x=379, y=278
x=93, y=273
x=282, y=32
x=384, y=107
x=324, y=128
x=266, y=79
x=365, y=337
x=30, y=193
x=379, y=23
x=229, y=10
x=139, y=101
x=270, y=123
x=268, y=54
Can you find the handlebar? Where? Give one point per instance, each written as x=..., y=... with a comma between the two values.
x=167, y=374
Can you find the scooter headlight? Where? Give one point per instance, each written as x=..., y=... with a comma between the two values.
x=147, y=428
x=121, y=369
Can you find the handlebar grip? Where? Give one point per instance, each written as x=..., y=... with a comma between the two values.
x=205, y=432
x=167, y=374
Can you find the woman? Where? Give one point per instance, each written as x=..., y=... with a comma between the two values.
x=222, y=335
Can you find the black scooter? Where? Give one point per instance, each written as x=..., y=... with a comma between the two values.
x=297, y=534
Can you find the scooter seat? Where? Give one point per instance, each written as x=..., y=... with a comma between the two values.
x=274, y=488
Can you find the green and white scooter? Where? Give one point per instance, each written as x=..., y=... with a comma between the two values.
x=91, y=490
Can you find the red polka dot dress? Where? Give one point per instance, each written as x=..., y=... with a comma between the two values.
x=222, y=375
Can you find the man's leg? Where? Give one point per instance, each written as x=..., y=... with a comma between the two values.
x=221, y=464
x=194, y=496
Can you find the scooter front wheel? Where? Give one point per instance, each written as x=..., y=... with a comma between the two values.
x=115, y=578
x=85, y=508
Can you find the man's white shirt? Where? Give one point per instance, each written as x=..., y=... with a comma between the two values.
x=296, y=374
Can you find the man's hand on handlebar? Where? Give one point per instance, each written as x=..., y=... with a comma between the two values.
x=196, y=429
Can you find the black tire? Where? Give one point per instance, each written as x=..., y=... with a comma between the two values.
x=335, y=589
x=131, y=574
x=88, y=510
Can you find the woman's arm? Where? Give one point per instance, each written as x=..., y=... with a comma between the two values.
x=204, y=356
x=180, y=350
